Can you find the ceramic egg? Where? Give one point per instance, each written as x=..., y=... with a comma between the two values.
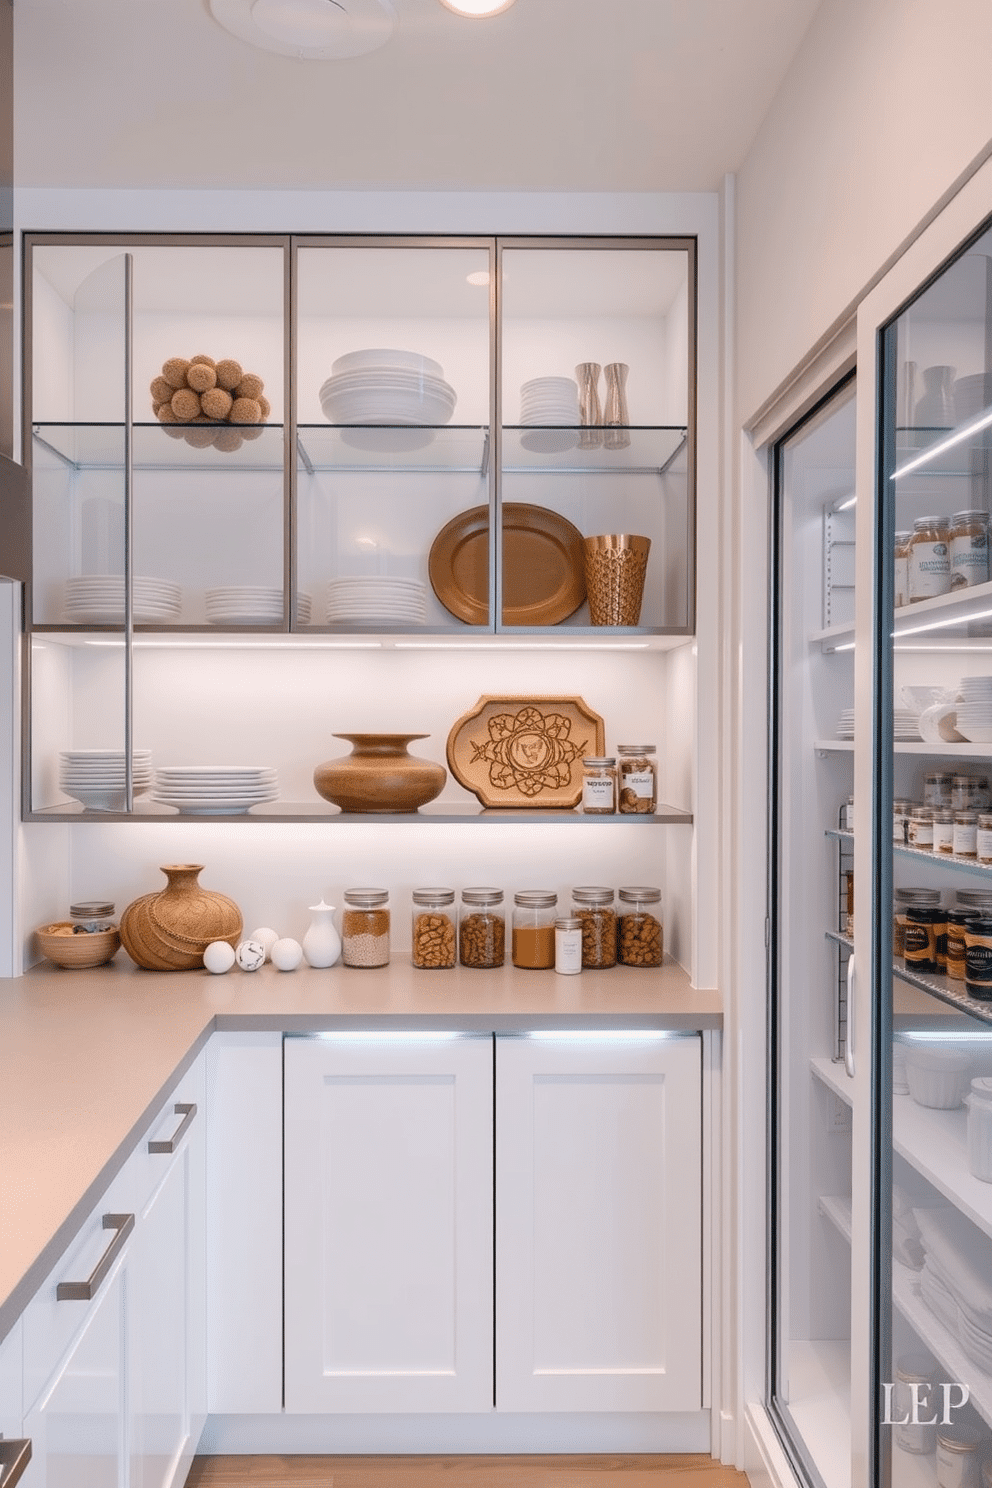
x=265, y=938
x=250, y=955
x=218, y=957
x=286, y=954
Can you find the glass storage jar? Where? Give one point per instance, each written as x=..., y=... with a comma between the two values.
x=902, y=543
x=959, y=1462
x=599, y=785
x=434, y=938
x=943, y=830
x=969, y=549
x=641, y=940
x=978, y=957
x=92, y=915
x=365, y=927
x=637, y=782
x=482, y=928
x=966, y=834
x=924, y=928
x=532, y=929
x=957, y=922
x=983, y=838
x=915, y=1375
x=904, y=899
x=594, y=907
x=919, y=832
x=937, y=788
x=929, y=559
x=568, y=945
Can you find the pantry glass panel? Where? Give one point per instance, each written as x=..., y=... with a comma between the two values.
x=811, y=906
x=393, y=368
x=597, y=387
x=935, y=1327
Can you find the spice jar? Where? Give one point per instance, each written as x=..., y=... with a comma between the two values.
x=532, y=935
x=568, y=945
x=983, y=838
x=901, y=581
x=911, y=1401
x=958, y=1458
x=923, y=927
x=966, y=834
x=482, y=929
x=957, y=922
x=434, y=937
x=978, y=958
x=365, y=928
x=599, y=785
x=594, y=907
x=641, y=938
x=943, y=830
x=937, y=786
x=920, y=830
x=969, y=549
x=904, y=899
x=90, y=916
x=929, y=559
x=638, y=782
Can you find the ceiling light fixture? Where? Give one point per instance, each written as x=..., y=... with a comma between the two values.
x=310, y=30
x=477, y=9
x=478, y=276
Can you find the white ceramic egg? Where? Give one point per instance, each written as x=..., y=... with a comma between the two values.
x=251, y=955
x=265, y=937
x=286, y=954
x=218, y=957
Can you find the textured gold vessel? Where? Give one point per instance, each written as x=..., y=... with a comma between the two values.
x=616, y=563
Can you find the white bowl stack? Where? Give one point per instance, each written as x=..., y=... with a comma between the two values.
x=974, y=710
x=905, y=725
x=549, y=400
x=95, y=777
x=384, y=386
x=252, y=605
x=98, y=599
x=217, y=790
x=376, y=601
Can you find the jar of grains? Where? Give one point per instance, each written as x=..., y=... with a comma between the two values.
x=532, y=936
x=902, y=543
x=929, y=559
x=365, y=927
x=637, y=785
x=904, y=899
x=943, y=830
x=969, y=549
x=641, y=940
x=919, y=831
x=599, y=785
x=594, y=907
x=482, y=929
x=434, y=921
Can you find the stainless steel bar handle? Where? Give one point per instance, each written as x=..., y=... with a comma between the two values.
x=85, y=1291
x=849, y=1041
x=15, y=1454
x=185, y=1109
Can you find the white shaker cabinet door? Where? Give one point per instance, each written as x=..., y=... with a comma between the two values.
x=389, y=1223
x=598, y=1232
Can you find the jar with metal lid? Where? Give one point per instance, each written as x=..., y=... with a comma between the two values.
x=482, y=928
x=913, y=1398
x=599, y=785
x=903, y=900
x=901, y=585
x=981, y=794
x=983, y=838
x=641, y=940
x=929, y=559
x=961, y=792
x=923, y=928
x=959, y=1457
x=637, y=785
x=568, y=945
x=957, y=922
x=920, y=830
x=978, y=957
x=969, y=549
x=975, y=899
x=532, y=932
x=937, y=788
x=434, y=929
x=365, y=927
x=90, y=916
x=966, y=834
x=943, y=830
x=594, y=907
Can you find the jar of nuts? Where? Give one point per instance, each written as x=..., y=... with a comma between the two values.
x=482, y=930
x=594, y=907
x=641, y=941
x=637, y=786
x=434, y=920
x=365, y=928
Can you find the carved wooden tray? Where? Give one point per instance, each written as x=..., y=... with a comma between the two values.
x=525, y=751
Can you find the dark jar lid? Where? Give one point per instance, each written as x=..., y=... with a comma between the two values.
x=922, y=914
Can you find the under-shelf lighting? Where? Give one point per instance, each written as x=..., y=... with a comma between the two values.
x=946, y=624
x=934, y=451
x=845, y=505
x=209, y=644
x=549, y=645
x=477, y=9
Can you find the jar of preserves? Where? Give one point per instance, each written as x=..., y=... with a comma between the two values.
x=594, y=907
x=568, y=945
x=929, y=559
x=365, y=927
x=958, y=921
x=969, y=549
x=904, y=900
x=943, y=830
x=901, y=585
x=978, y=957
x=599, y=785
x=966, y=834
x=637, y=785
x=983, y=838
x=91, y=915
x=924, y=927
x=641, y=940
x=434, y=929
x=482, y=928
x=919, y=832
x=937, y=787
x=532, y=933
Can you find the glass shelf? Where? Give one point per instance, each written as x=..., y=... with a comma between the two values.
x=929, y=450
x=450, y=812
x=566, y=450
x=369, y=448
x=161, y=447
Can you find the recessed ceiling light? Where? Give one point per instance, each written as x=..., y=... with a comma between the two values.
x=313, y=30
x=478, y=276
x=477, y=8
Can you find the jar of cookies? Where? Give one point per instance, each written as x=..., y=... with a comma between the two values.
x=482, y=928
x=594, y=907
x=434, y=928
x=637, y=782
x=641, y=938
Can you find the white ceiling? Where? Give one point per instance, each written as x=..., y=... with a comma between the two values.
x=567, y=95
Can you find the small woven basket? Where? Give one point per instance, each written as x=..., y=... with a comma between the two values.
x=77, y=951
x=616, y=563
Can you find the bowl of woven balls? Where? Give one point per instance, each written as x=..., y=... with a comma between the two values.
x=209, y=403
x=67, y=946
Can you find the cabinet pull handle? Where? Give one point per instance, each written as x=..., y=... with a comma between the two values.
x=15, y=1454
x=85, y=1291
x=849, y=1041
x=185, y=1109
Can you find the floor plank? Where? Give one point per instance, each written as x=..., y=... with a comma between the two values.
x=638, y=1471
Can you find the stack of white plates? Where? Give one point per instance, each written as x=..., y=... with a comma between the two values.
x=374, y=601
x=246, y=605
x=96, y=776
x=905, y=725
x=387, y=387
x=98, y=599
x=224, y=790
x=974, y=710
x=549, y=400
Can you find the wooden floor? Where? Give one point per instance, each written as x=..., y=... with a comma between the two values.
x=463, y=1472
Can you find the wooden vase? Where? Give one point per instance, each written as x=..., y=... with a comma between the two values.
x=170, y=930
x=379, y=776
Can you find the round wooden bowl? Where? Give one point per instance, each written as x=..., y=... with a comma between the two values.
x=77, y=951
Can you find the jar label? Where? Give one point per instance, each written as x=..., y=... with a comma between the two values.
x=920, y=834
x=929, y=569
x=597, y=793
x=969, y=560
x=943, y=837
x=965, y=840
x=983, y=843
x=641, y=782
x=901, y=582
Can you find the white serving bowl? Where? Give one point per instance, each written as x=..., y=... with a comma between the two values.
x=377, y=356
x=939, y=1078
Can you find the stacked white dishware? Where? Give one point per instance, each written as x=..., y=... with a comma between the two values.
x=252, y=605
x=95, y=777
x=98, y=599
x=550, y=401
x=224, y=790
x=974, y=709
x=956, y=1281
x=386, y=386
x=376, y=600
x=905, y=725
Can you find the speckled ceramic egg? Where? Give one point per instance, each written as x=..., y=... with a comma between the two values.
x=250, y=955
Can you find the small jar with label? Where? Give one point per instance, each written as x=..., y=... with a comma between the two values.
x=904, y=900
x=923, y=928
x=482, y=928
x=637, y=785
x=594, y=907
x=978, y=958
x=983, y=838
x=568, y=945
x=969, y=547
x=901, y=578
x=532, y=933
x=919, y=832
x=966, y=834
x=434, y=929
x=641, y=936
x=959, y=1463
x=937, y=785
x=961, y=792
x=943, y=830
x=365, y=927
x=847, y=815
x=958, y=921
x=900, y=819
x=913, y=1403
x=981, y=797
x=929, y=559
x=90, y=916
x=599, y=785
